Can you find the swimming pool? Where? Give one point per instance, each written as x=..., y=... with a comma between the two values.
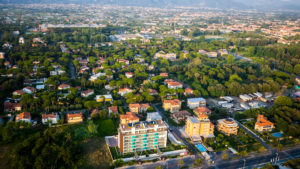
x=201, y=148
x=277, y=135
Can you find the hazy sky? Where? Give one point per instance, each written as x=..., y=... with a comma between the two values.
x=237, y=4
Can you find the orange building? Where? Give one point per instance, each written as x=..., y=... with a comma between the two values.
x=136, y=108
x=129, y=117
x=172, y=105
x=228, y=126
x=263, y=124
x=74, y=118
x=202, y=110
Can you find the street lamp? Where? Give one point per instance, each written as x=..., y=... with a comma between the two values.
x=244, y=163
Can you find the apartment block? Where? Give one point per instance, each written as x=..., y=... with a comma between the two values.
x=197, y=127
x=228, y=126
x=140, y=136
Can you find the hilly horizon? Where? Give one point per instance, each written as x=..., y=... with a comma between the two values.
x=221, y=4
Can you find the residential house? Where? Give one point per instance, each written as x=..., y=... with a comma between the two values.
x=113, y=110
x=123, y=61
x=12, y=107
x=202, y=110
x=188, y=91
x=162, y=54
x=106, y=98
x=50, y=118
x=21, y=40
x=153, y=116
x=172, y=105
x=29, y=90
x=196, y=102
x=87, y=93
x=152, y=92
x=223, y=52
x=174, y=85
x=212, y=54
x=165, y=75
x=129, y=74
x=180, y=116
x=18, y=93
x=74, y=118
x=125, y=91
x=63, y=87
x=129, y=117
x=263, y=124
x=24, y=116
x=137, y=108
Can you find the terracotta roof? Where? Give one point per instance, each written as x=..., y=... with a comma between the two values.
x=87, y=91
x=145, y=105
x=174, y=83
x=164, y=74
x=202, y=116
x=152, y=91
x=181, y=113
x=30, y=88
x=19, y=92
x=9, y=105
x=46, y=116
x=263, y=121
x=168, y=80
x=124, y=89
x=24, y=115
x=74, y=115
x=188, y=90
x=129, y=116
x=114, y=109
x=63, y=86
x=201, y=110
x=173, y=102
x=134, y=105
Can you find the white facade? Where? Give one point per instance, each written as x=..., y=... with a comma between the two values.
x=196, y=102
x=153, y=116
x=53, y=120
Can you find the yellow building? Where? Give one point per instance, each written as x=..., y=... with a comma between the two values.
x=228, y=126
x=197, y=127
x=172, y=105
x=107, y=98
x=74, y=118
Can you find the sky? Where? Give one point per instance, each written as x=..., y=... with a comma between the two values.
x=224, y=4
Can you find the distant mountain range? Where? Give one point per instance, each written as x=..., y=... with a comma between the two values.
x=222, y=4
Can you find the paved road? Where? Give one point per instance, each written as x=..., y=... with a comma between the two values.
x=72, y=69
x=168, y=164
x=249, y=162
x=259, y=160
x=240, y=57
